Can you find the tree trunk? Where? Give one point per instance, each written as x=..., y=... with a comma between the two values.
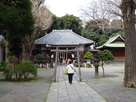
x=25, y=53
x=6, y=51
x=128, y=11
x=6, y=46
x=28, y=45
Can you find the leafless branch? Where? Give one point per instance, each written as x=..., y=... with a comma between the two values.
x=104, y=10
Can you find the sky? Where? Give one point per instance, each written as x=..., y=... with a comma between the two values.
x=63, y=7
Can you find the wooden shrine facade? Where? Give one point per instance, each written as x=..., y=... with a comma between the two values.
x=116, y=44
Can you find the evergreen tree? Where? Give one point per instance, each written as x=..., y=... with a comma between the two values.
x=67, y=22
x=16, y=20
x=104, y=56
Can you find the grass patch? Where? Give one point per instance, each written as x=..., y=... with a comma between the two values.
x=107, y=100
x=119, y=72
x=3, y=80
x=30, y=79
x=44, y=100
x=130, y=89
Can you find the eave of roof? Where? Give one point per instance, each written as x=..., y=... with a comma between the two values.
x=93, y=50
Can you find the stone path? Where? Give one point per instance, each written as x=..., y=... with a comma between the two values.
x=62, y=91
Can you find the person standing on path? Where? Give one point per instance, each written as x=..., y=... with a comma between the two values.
x=71, y=69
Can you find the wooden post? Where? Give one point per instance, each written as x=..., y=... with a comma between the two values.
x=78, y=60
x=56, y=61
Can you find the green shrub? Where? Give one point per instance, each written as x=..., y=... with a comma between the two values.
x=88, y=55
x=3, y=65
x=7, y=70
x=12, y=72
x=25, y=69
x=40, y=57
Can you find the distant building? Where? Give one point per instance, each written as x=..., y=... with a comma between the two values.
x=116, y=44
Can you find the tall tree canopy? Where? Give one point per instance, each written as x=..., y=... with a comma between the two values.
x=94, y=32
x=101, y=18
x=16, y=16
x=100, y=11
x=67, y=22
x=16, y=20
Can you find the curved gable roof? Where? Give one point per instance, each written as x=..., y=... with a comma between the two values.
x=113, y=43
x=63, y=37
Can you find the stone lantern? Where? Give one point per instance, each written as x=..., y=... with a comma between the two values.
x=96, y=65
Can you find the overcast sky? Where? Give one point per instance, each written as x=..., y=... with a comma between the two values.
x=63, y=7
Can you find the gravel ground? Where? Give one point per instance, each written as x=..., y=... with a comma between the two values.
x=111, y=86
x=34, y=91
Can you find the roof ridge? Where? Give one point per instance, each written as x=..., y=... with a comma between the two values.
x=55, y=30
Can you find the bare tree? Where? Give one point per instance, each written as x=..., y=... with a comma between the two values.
x=114, y=7
x=115, y=10
x=43, y=20
x=103, y=10
x=117, y=24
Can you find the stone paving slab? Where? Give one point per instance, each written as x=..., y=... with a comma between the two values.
x=62, y=91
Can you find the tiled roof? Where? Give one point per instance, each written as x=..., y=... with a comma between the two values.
x=63, y=37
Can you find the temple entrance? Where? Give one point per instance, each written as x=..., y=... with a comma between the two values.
x=68, y=50
x=64, y=57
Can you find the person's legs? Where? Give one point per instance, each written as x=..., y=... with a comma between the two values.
x=70, y=77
